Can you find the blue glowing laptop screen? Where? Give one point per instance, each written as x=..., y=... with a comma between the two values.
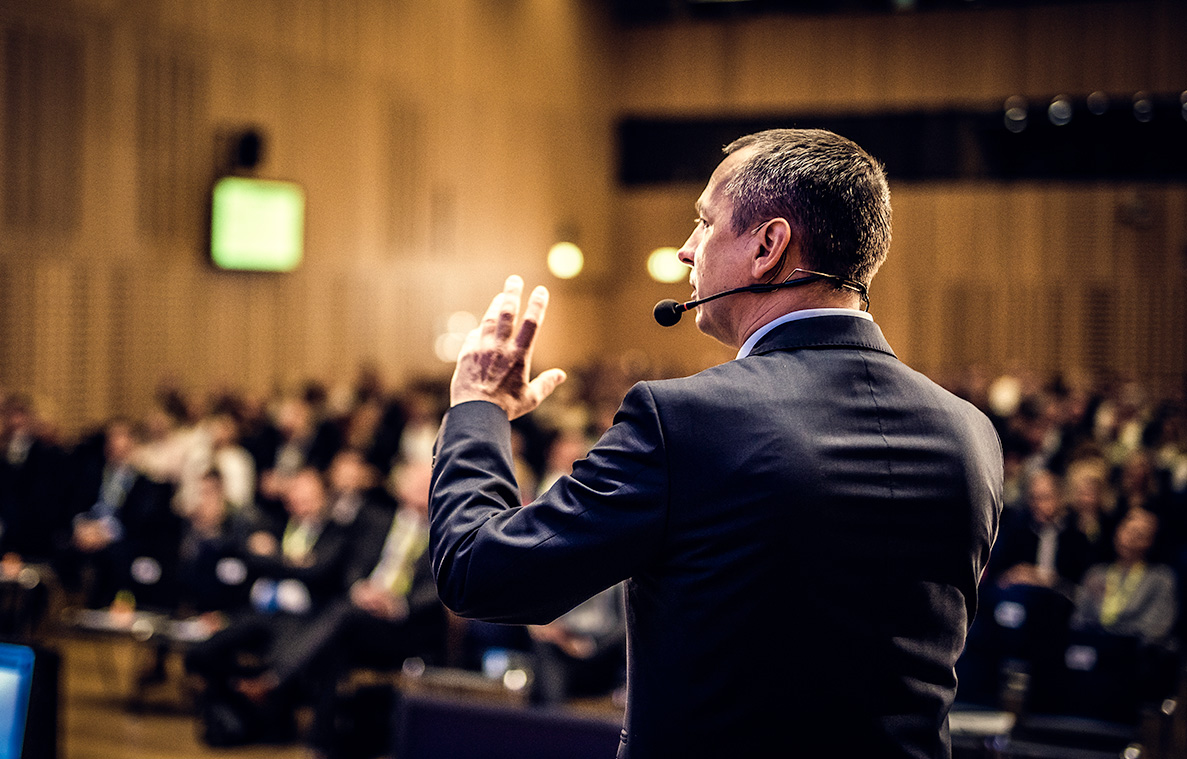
x=16, y=681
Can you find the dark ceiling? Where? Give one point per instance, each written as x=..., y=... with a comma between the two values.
x=659, y=11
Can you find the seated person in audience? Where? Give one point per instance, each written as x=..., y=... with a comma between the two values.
x=118, y=516
x=583, y=652
x=1040, y=545
x=390, y=614
x=295, y=572
x=1091, y=506
x=32, y=473
x=1137, y=483
x=216, y=446
x=212, y=574
x=296, y=439
x=354, y=488
x=1129, y=596
x=167, y=436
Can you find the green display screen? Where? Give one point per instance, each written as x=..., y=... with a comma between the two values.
x=257, y=224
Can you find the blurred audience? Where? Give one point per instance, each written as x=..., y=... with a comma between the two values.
x=1129, y=596
x=32, y=486
x=117, y=514
x=1091, y=508
x=1038, y=544
x=583, y=652
x=389, y=614
x=289, y=531
x=297, y=569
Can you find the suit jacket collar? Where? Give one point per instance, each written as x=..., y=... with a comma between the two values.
x=824, y=332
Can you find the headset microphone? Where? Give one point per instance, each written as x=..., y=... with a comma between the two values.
x=668, y=312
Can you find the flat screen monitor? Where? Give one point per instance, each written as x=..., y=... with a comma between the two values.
x=16, y=683
x=257, y=224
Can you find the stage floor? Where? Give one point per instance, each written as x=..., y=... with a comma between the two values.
x=104, y=715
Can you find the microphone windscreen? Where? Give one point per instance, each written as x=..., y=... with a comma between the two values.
x=667, y=312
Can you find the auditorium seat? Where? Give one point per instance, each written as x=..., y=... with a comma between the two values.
x=432, y=726
x=1087, y=704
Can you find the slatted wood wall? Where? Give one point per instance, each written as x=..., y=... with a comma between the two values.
x=444, y=145
x=1052, y=277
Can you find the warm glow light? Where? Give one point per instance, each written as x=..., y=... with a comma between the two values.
x=449, y=342
x=448, y=346
x=664, y=265
x=461, y=322
x=565, y=260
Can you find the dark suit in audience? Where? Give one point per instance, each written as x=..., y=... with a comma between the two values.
x=390, y=614
x=118, y=515
x=212, y=575
x=295, y=573
x=296, y=439
x=1040, y=545
x=32, y=485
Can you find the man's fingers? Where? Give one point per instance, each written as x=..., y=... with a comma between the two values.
x=471, y=342
x=490, y=367
x=533, y=317
x=509, y=308
x=506, y=301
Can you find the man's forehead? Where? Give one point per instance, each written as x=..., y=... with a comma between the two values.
x=721, y=176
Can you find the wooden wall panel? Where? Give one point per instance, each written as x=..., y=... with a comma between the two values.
x=173, y=146
x=445, y=145
x=43, y=125
x=1036, y=274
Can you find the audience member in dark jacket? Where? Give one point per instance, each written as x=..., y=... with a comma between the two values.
x=1040, y=545
x=391, y=612
x=32, y=485
x=118, y=516
x=295, y=572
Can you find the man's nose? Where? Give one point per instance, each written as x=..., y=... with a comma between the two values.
x=685, y=254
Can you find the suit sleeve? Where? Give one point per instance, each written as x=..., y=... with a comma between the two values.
x=498, y=561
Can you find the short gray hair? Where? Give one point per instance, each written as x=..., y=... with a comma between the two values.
x=831, y=191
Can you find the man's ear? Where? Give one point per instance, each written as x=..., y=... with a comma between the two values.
x=777, y=246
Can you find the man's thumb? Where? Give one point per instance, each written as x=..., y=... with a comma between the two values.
x=548, y=381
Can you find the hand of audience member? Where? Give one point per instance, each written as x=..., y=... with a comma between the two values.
x=11, y=565
x=271, y=484
x=1026, y=574
x=212, y=621
x=378, y=602
x=496, y=358
x=90, y=536
x=262, y=543
x=576, y=646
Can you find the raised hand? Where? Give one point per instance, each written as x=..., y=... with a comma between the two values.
x=496, y=358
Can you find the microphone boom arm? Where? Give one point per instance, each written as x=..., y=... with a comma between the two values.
x=668, y=312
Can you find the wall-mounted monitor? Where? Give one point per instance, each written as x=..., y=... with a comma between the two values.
x=257, y=224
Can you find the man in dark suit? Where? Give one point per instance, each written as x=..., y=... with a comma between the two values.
x=119, y=515
x=296, y=570
x=32, y=479
x=390, y=613
x=801, y=530
x=1040, y=544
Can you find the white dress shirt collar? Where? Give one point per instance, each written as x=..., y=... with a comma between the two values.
x=807, y=313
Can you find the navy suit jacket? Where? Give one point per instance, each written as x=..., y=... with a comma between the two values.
x=802, y=532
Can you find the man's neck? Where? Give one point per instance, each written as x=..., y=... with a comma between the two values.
x=772, y=306
x=804, y=313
